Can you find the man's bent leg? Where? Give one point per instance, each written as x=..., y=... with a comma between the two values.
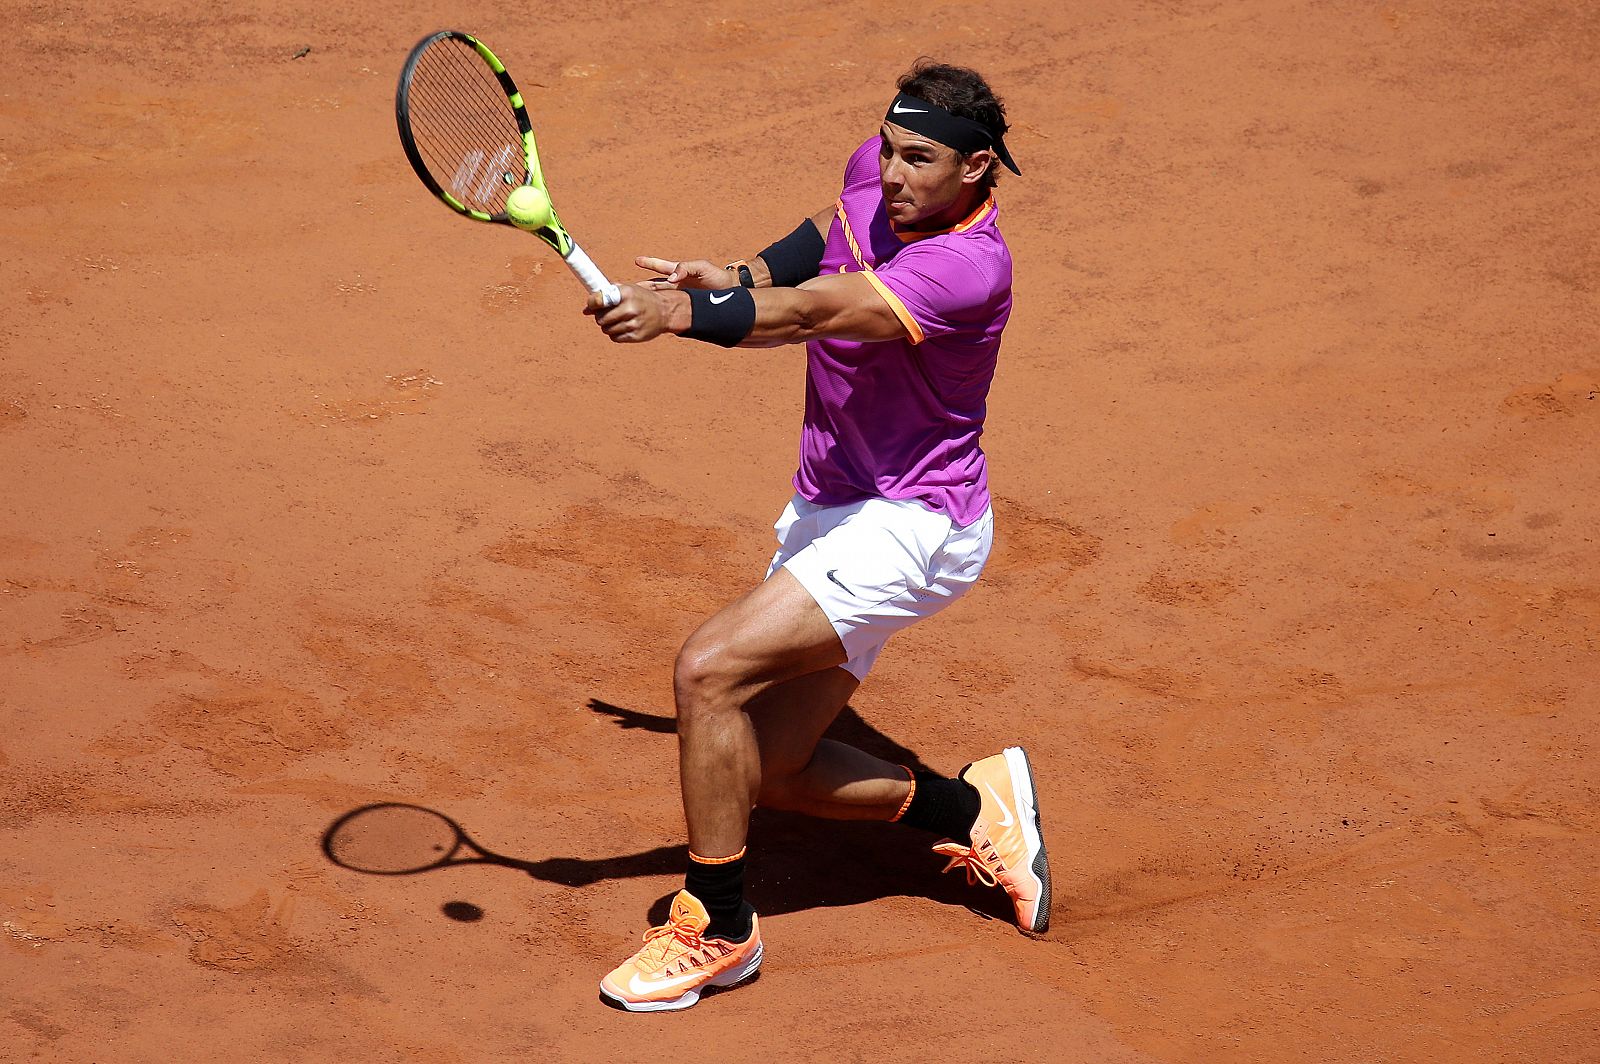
x=805, y=773
x=712, y=938
x=774, y=633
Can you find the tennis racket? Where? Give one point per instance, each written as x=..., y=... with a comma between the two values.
x=467, y=134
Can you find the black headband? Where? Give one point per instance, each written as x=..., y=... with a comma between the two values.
x=934, y=122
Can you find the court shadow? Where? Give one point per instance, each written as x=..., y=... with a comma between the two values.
x=799, y=863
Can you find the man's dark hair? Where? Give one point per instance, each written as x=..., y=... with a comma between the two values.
x=963, y=93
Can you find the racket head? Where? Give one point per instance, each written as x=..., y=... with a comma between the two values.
x=392, y=839
x=466, y=132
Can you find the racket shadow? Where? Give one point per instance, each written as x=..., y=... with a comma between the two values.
x=402, y=838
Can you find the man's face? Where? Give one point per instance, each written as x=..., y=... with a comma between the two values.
x=924, y=182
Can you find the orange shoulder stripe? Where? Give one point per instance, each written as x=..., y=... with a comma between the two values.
x=849, y=234
x=912, y=328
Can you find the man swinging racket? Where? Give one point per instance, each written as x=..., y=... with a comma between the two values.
x=900, y=292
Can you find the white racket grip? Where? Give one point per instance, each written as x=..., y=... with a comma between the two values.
x=579, y=262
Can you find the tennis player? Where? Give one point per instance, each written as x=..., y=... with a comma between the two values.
x=900, y=291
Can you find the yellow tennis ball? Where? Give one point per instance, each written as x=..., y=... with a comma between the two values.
x=528, y=207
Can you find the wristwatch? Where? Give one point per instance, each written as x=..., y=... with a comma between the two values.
x=746, y=278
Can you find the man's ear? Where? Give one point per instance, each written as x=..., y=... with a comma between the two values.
x=974, y=166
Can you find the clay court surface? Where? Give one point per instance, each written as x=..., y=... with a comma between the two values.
x=316, y=496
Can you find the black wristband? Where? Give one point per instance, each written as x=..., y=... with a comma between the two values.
x=797, y=257
x=722, y=317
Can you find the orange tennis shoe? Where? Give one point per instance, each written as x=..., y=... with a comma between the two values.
x=677, y=964
x=1007, y=848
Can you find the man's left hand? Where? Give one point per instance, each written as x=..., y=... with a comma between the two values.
x=687, y=273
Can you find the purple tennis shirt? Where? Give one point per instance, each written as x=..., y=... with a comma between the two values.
x=900, y=419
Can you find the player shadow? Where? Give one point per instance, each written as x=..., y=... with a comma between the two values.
x=797, y=863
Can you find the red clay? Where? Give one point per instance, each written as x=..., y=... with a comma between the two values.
x=317, y=496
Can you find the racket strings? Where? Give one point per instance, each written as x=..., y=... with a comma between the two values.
x=469, y=132
x=471, y=104
x=464, y=126
x=470, y=101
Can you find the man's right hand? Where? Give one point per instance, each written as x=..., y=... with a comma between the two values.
x=642, y=314
x=688, y=273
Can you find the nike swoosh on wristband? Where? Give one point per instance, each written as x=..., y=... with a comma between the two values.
x=1006, y=820
x=642, y=988
x=897, y=109
x=725, y=297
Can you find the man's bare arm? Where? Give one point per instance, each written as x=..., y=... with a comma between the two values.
x=843, y=306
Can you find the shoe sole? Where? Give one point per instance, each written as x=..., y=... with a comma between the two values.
x=747, y=972
x=1026, y=797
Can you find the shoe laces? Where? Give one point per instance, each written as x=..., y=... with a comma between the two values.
x=659, y=943
x=966, y=856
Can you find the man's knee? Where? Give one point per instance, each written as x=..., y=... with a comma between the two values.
x=704, y=679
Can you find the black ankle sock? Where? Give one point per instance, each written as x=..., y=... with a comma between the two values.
x=720, y=888
x=942, y=806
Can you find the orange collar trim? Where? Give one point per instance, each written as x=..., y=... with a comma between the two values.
x=961, y=227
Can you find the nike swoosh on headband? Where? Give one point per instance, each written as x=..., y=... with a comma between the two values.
x=953, y=131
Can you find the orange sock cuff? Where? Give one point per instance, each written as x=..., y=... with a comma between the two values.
x=697, y=859
x=912, y=793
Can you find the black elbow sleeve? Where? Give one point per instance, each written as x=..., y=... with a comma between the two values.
x=795, y=258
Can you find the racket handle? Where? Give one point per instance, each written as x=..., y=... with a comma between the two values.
x=579, y=262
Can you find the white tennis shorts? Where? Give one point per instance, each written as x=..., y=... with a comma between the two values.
x=878, y=566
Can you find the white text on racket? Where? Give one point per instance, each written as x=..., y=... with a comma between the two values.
x=472, y=170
